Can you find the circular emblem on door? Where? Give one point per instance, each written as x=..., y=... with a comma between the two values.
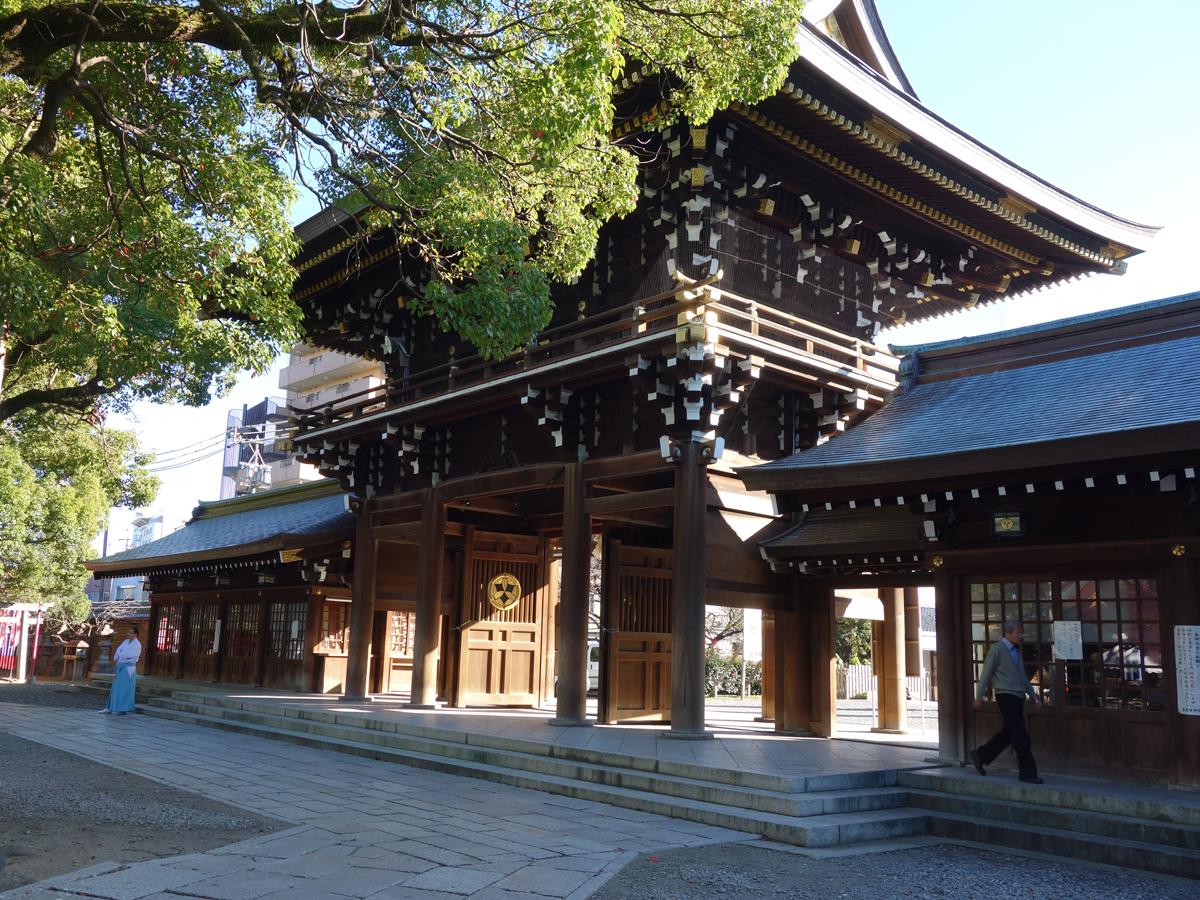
x=504, y=591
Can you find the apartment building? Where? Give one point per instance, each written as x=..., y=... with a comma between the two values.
x=316, y=377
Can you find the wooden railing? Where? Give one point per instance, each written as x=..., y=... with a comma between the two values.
x=746, y=324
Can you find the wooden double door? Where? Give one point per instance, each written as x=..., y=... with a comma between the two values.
x=635, y=641
x=505, y=628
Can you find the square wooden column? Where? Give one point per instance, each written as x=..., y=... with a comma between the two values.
x=768, y=667
x=893, y=709
x=912, y=632
x=823, y=662
x=687, y=595
x=793, y=675
x=571, y=654
x=362, y=607
x=427, y=627
x=951, y=667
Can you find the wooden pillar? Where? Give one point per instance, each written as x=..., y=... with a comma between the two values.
x=793, y=674
x=912, y=632
x=151, y=645
x=571, y=654
x=768, y=667
x=1180, y=605
x=264, y=636
x=362, y=608
x=219, y=638
x=427, y=630
x=312, y=636
x=951, y=671
x=823, y=640
x=687, y=595
x=893, y=709
x=185, y=626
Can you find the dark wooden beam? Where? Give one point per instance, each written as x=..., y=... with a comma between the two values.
x=662, y=498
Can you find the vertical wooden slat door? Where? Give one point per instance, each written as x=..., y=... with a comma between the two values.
x=166, y=636
x=199, y=661
x=285, y=645
x=636, y=638
x=499, y=656
x=240, y=637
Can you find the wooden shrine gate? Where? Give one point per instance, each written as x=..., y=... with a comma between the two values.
x=635, y=642
x=504, y=620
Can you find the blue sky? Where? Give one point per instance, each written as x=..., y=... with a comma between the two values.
x=1096, y=96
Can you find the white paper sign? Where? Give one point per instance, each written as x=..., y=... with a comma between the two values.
x=1068, y=640
x=295, y=629
x=1187, y=668
x=217, y=636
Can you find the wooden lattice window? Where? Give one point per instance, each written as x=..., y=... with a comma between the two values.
x=201, y=629
x=335, y=627
x=1032, y=604
x=241, y=628
x=166, y=632
x=285, y=631
x=1122, y=643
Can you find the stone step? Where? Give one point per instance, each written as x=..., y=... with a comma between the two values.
x=789, y=804
x=735, y=777
x=825, y=830
x=1104, y=825
x=1067, y=844
x=1108, y=798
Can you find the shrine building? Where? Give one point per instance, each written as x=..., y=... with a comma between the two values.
x=710, y=419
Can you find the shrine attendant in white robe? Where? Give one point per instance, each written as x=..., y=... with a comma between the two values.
x=125, y=658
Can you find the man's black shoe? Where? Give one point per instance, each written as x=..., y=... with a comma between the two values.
x=974, y=757
x=1034, y=780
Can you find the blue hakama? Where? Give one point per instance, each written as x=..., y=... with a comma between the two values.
x=120, y=697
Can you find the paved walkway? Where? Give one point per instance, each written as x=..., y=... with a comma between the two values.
x=740, y=742
x=361, y=828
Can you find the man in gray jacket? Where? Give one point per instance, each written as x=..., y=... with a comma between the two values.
x=1004, y=672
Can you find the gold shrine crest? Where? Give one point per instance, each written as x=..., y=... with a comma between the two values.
x=504, y=591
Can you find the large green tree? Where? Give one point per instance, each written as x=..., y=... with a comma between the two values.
x=149, y=148
x=59, y=475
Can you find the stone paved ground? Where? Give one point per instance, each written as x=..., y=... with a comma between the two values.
x=362, y=828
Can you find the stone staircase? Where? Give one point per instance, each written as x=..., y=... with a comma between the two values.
x=1153, y=830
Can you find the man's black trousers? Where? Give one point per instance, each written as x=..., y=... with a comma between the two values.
x=1012, y=708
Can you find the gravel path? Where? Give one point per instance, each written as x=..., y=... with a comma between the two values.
x=60, y=812
x=945, y=871
x=50, y=694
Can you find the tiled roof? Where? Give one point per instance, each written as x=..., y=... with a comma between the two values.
x=1122, y=390
x=247, y=525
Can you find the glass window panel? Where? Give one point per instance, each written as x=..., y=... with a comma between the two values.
x=1070, y=612
x=1046, y=612
x=1108, y=611
x=978, y=632
x=1029, y=591
x=1108, y=589
x=1091, y=632
x=993, y=632
x=1150, y=633
x=1152, y=655
x=1129, y=610
x=1012, y=593
x=1044, y=591
x=993, y=593
x=1087, y=590
x=1126, y=588
x=1149, y=610
x=1088, y=610
x=1068, y=590
x=1046, y=632
x=1148, y=587
x=976, y=593
x=977, y=612
x=1131, y=632
x=1108, y=632
x=1029, y=612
